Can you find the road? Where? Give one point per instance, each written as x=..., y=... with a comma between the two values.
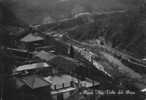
x=89, y=52
x=116, y=53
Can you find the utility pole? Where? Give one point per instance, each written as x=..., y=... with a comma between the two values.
x=94, y=92
x=1, y=90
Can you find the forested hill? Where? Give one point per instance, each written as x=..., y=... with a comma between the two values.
x=39, y=11
x=122, y=30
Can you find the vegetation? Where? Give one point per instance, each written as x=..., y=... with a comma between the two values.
x=125, y=31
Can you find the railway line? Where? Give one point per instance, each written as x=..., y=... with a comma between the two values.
x=118, y=54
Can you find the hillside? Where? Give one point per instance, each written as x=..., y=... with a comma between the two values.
x=125, y=31
x=36, y=11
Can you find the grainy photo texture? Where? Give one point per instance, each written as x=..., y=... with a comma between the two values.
x=72, y=49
